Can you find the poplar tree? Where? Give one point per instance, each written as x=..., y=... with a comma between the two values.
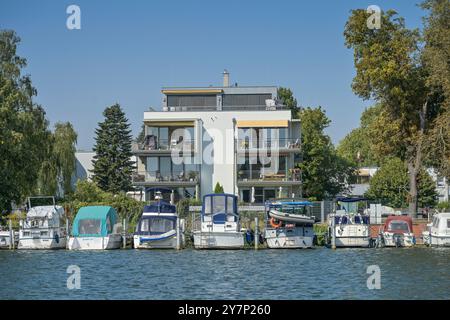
x=112, y=161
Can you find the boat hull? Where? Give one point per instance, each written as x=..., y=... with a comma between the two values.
x=109, y=242
x=296, y=238
x=139, y=242
x=218, y=240
x=436, y=240
x=41, y=244
x=5, y=239
x=352, y=242
x=406, y=240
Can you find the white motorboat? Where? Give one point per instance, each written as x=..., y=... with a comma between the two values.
x=95, y=228
x=347, y=227
x=289, y=224
x=438, y=232
x=220, y=224
x=5, y=239
x=44, y=227
x=156, y=228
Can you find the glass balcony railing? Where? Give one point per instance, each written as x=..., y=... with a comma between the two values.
x=157, y=176
x=248, y=144
x=265, y=175
x=163, y=145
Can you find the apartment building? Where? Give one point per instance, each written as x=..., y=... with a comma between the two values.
x=238, y=136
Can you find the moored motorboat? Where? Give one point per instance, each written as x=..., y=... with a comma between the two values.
x=95, y=228
x=5, y=239
x=220, y=223
x=397, y=231
x=157, y=227
x=44, y=227
x=289, y=224
x=438, y=232
x=347, y=226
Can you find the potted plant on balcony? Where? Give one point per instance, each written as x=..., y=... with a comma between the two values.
x=192, y=176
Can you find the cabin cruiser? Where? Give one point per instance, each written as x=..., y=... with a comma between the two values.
x=438, y=232
x=397, y=231
x=219, y=223
x=346, y=226
x=289, y=224
x=157, y=227
x=95, y=228
x=43, y=228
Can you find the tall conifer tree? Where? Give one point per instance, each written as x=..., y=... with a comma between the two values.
x=112, y=164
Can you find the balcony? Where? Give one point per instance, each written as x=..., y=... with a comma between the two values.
x=157, y=178
x=223, y=108
x=260, y=177
x=283, y=145
x=162, y=146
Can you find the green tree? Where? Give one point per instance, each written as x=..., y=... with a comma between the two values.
x=390, y=185
x=436, y=57
x=218, y=188
x=324, y=173
x=23, y=127
x=287, y=98
x=112, y=165
x=390, y=69
x=356, y=146
x=59, y=165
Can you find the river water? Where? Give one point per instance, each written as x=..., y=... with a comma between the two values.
x=321, y=273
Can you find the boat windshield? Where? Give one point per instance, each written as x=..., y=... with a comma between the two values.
x=157, y=225
x=89, y=226
x=219, y=204
x=398, y=225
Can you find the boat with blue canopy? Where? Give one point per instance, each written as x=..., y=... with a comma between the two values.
x=219, y=226
x=95, y=228
x=289, y=224
x=348, y=225
x=157, y=227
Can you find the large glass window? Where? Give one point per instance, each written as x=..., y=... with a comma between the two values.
x=89, y=226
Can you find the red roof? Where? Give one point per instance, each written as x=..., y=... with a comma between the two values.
x=407, y=219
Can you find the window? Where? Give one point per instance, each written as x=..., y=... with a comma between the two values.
x=89, y=226
x=144, y=225
x=161, y=225
x=448, y=223
x=230, y=205
x=219, y=204
x=398, y=225
x=44, y=233
x=108, y=225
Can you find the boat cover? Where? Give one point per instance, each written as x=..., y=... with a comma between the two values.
x=161, y=206
x=94, y=220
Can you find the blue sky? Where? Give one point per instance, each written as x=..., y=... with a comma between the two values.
x=127, y=50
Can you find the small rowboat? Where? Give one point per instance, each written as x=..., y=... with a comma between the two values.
x=289, y=217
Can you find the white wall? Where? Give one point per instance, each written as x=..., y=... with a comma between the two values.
x=216, y=124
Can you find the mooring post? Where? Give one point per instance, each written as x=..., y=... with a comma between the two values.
x=124, y=233
x=67, y=232
x=178, y=234
x=11, y=235
x=256, y=233
x=322, y=211
x=333, y=234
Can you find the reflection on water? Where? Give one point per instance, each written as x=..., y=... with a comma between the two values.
x=415, y=273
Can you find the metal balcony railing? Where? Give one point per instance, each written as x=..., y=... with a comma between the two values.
x=287, y=143
x=265, y=175
x=157, y=176
x=163, y=145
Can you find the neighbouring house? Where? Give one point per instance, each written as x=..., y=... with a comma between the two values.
x=239, y=136
x=364, y=175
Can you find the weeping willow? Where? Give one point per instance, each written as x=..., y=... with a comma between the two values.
x=59, y=165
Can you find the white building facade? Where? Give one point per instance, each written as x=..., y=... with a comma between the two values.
x=239, y=137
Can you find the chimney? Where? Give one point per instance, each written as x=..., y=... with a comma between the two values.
x=226, y=78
